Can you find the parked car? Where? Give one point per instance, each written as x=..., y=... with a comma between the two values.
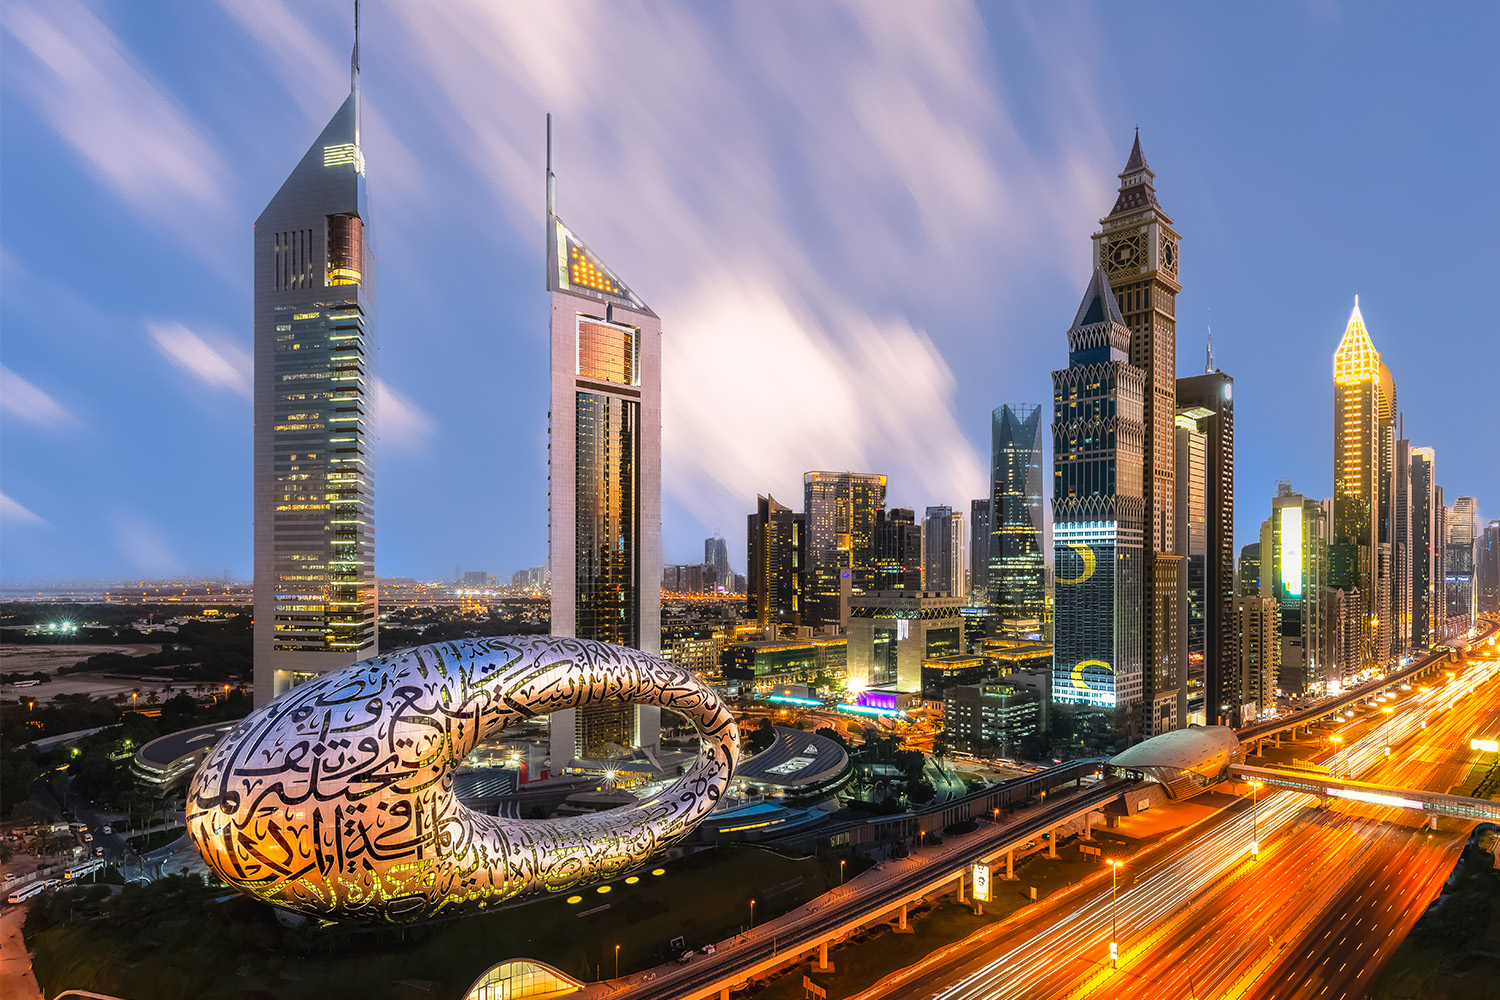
x=106, y=829
x=685, y=957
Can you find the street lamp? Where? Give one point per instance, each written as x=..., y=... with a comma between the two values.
x=1114, y=924
x=1337, y=750
x=1385, y=728
x=1255, y=787
x=617, y=961
x=841, y=871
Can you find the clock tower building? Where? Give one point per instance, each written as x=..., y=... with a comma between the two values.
x=1137, y=248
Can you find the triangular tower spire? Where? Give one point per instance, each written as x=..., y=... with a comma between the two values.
x=1356, y=360
x=1137, y=160
x=571, y=265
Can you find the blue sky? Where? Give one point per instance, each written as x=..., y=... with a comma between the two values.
x=863, y=227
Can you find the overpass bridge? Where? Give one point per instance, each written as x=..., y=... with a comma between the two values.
x=1428, y=664
x=876, y=896
x=1326, y=786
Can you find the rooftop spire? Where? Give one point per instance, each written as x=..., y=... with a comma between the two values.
x=1208, y=366
x=551, y=181
x=1356, y=360
x=354, y=72
x=1137, y=161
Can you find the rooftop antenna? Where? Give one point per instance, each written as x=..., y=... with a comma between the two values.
x=354, y=73
x=551, y=181
x=1208, y=366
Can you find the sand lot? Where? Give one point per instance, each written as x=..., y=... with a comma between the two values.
x=30, y=659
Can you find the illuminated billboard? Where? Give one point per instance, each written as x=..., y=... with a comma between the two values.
x=982, y=883
x=1291, y=551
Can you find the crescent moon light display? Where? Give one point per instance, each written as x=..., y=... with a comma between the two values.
x=1087, y=555
x=337, y=800
x=1078, y=681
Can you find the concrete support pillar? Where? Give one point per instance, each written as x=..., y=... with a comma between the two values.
x=1278, y=741
x=1088, y=826
x=901, y=922
x=1010, y=863
x=823, y=965
x=1052, y=843
x=724, y=993
x=960, y=885
x=1432, y=822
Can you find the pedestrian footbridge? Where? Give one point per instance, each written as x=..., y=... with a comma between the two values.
x=1432, y=804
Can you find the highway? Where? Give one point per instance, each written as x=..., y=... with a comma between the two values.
x=1331, y=895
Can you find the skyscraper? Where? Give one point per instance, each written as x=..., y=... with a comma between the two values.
x=774, y=548
x=1426, y=550
x=896, y=559
x=604, y=523
x=1458, y=564
x=315, y=594
x=1294, y=543
x=1364, y=420
x=1098, y=511
x=1249, y=575
x=1137, y=247
x=944, y=548
x=716, y=555
x=1487, y=570
x=1017, y=571
x=1190, y=535
x=840, y=511
x=1213, y=391
x=1258, y=621
x=1401, y=544
x=979, y=552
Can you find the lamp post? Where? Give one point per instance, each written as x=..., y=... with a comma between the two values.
x=841, y=871
x=1337, y=750
x=752, y=913
x=1385, y=729
x=1114, y=924
x=1255, y=787
x=617, y=961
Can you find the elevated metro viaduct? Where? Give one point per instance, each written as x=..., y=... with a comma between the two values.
x=1427, y=665
x=1325, y=786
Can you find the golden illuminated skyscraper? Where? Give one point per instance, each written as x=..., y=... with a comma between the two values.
x=1137, y=247
x=1364, y=438
x=604, y=471
x=315, y=602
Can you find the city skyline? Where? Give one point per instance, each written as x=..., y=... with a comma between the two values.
x=165, y=369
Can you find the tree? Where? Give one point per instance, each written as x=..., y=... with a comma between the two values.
x=829, y=733
x=762, y=736
x=920, y=792
x=939, y=747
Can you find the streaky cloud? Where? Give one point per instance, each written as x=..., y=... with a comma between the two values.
x=22, y=400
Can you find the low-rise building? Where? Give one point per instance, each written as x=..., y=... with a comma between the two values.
x=992, y=715
x=761, y=666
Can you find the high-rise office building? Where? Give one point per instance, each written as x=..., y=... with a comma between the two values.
x=1458, y=564
x=315, y=592
x=1487, y=570
x=1364, y=421
x=1211, y=397
x=896, y=559
x=1249, y=574
x=1097, y=513
x=1137, y=247
x=1296, y=539
x=776, y=556
x=979, y=553
x=1426, y=551
x=1258, y=648
x=1190, y=535
x=945, y=543
x=839, y=508
x=1017, y=571
x=716, y=556
x=1401, y=547
x=604, y=467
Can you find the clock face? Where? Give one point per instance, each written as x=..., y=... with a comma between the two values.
x=1168, y=254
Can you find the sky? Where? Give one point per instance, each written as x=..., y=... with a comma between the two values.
x=864, y=226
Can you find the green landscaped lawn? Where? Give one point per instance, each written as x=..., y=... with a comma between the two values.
x=703, y=898
x=862, y=961
x=146, y=842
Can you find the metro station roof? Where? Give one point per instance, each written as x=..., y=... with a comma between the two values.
x=1185, y=761
x=796, y=759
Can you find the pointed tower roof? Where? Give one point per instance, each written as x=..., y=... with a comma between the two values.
x=1356, y=360
x=1137, y=187
x=1137, y=159
x=1098, y=332
x=1208, y=365
x=571, y=266
x=1098, y=305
